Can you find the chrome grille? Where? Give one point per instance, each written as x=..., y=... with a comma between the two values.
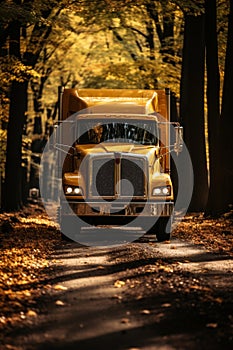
x=107, y=172
x=103, y=177
x=133, y=171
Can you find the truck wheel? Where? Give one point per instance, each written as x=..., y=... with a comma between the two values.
x=163, y=232
x=162, y=229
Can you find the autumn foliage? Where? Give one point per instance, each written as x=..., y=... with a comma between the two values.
x=27, y=239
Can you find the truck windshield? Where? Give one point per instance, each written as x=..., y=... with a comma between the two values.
x=95, y=131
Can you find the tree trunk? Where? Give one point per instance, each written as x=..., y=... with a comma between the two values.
x=214, y=204
x=165, y=28
x=18, y=104
x=167, y=44
x=192, y=107
x=18, y=95
x=226, y=129
x=13, y=179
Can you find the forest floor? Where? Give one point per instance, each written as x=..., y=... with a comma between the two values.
x=146, y=295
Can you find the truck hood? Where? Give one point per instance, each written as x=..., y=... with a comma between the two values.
x=139, y=149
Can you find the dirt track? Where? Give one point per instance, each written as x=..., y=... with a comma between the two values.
x=142, y=295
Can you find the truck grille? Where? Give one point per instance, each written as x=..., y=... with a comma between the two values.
x=103, y=178
x=106, y=173
x=132, y=170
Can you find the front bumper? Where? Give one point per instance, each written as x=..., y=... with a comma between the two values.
x=118, y=208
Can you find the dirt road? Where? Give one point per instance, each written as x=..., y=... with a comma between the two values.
x=145, y=295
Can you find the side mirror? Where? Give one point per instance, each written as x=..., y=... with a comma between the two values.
x=178, y=146
x=53, y=138
x=56, y=142
x=55, y=134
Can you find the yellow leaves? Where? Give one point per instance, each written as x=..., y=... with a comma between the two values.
x=24, y=264
x=151, y=269
x=26, y=293
x=31, y=313
x=211, y=325
x=145, y=312
x=134, y=283
x=16, y=295
x=12, y=69
x=166, y=305
x=59, y=303
x=218, y=300
x=165, y=268
x=59, y=287
x=119, y=284
x=39, y=220
x=207, y=232
x=197, y=287
x=3, y=320
x=16, y=304
x=213, y=299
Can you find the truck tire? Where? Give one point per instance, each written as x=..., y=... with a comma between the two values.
x=162, y=229
x=163, y=232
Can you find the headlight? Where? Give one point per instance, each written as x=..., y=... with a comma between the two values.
x=77, y=190
x=69, y=190
x=72, y=190
x=161, y=191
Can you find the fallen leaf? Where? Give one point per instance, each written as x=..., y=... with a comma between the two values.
x=218, y=300
x=2, y=319
x=145, y=312
x=59, y=303
x=27, y=293
x=17, y=304
x=119, y=284
x=197, y=287
x=165, y=268
x=31, y=313
x=211, y=325
x=60, y=287
x=166, y=305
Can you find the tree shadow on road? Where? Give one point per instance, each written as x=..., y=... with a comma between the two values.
x=157, y=304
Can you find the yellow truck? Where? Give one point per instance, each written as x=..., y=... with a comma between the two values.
x=116, y=170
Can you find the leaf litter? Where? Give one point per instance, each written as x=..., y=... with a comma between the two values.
x=27, y=239
x=161, y=285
